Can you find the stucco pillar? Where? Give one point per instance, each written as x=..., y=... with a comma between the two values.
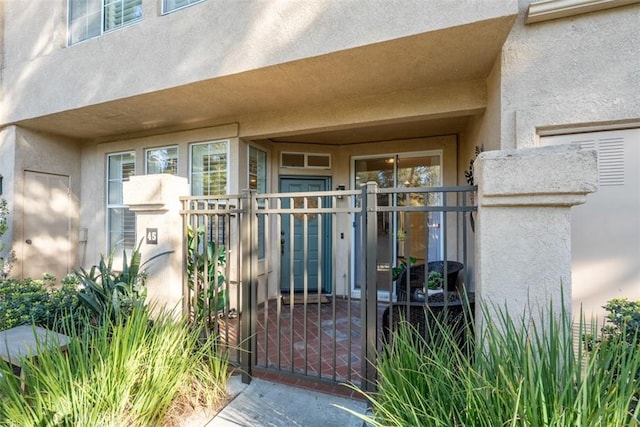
x=156, y=201
x=523, y=229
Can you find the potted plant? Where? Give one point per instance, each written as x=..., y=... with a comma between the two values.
x=434, y=283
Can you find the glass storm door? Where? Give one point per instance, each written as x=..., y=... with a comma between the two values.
x=403, y=171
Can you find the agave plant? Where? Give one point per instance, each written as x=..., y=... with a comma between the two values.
x=206, y=278
x=113, y=294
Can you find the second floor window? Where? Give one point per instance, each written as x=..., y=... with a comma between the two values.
x=171, y=5
x=91, y=18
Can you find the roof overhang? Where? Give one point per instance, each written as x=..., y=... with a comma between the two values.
x=389, y=70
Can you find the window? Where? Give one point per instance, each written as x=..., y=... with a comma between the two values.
x=209, y=168
x=258, y=181
x=171, y=5
x=305, y=160
x=162, y=160
x=91, y=18
x=257, y=170
x=121, y=223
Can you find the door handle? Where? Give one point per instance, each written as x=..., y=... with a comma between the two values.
x=282, y=242
x=28, y=241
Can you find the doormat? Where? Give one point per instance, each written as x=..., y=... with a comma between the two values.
x=311, y=299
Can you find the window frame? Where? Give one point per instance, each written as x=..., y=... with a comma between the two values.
x=166, y=11
x=109, y=206
x=146, y=159
x=227, y=143
x=103, y=5
x=261, y=205
x=305, y=164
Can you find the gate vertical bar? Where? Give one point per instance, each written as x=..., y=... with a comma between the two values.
x=369, y=294
x=247, y=342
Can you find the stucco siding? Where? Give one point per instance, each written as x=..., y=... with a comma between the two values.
x=208, y=40
x=35, y=152
x=570, y=72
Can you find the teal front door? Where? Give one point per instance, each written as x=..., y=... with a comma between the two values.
x=317, y=249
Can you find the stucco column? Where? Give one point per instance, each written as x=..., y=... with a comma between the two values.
x=156, y=201
x=523, y=229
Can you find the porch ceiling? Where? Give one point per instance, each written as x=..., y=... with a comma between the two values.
x=375, y=133
x=440, y=58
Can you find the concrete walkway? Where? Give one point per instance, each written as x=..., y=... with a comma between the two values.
x=267, y=404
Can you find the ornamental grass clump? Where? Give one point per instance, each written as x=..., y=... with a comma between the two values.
x=521, y=374
x=128, y=373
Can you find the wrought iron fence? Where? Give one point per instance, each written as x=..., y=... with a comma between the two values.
x=302, y=283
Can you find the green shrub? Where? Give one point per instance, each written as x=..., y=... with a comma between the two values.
x=115, y=374
x=521, y=375
x=111, y=294
x=206, y=261
x=623, y=319
x=28, y=301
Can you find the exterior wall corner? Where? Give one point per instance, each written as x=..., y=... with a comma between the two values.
x=523, y=234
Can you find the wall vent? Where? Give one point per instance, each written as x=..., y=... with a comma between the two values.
x=610, y=159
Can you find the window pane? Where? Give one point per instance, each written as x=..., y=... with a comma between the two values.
x=121, y=230
x=84, y=19
x=257, y=170
x=293, y=160
x=121, y=12
x=319, y=161
x=209, y=169
x=171, y=5
x=121, y=223
x=258, y=181
x=162, y=160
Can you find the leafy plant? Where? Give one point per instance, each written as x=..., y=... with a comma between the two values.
x=522, y=374
x=435, y=280
x=206, y=261
x=111, y=294
x=623, y=318
x=397, y=271
x=28, y=301
x=116, y=374
x=4, y=212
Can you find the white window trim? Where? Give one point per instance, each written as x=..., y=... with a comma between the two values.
x=146, y=151
x=547, y=10
x=228, y=152
x=102, y=30
x=166, y=12
x=117, y=256
x=266, y=152
x=306, y=160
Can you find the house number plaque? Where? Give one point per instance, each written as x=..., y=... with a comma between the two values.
x=152, y=236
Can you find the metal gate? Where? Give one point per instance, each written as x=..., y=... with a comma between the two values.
x=326, y=329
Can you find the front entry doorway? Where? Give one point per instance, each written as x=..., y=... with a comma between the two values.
x=311, y=239
x=402, y=236
x=47, y=219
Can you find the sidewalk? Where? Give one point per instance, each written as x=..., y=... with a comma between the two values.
x=267, y=404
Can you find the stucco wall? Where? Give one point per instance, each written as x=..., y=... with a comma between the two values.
x=570, y=73
x=47, y=154
x=207, y=40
